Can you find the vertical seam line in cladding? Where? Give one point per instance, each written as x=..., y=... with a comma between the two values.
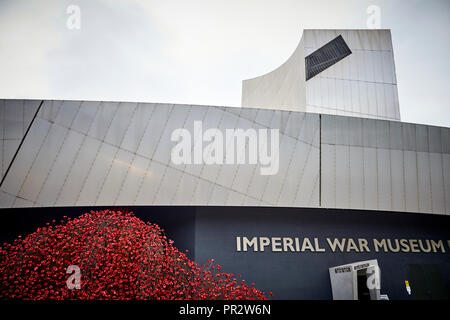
x=404, y=173
x=376, y=168
x=134, y=153
x=201, y=170
x=334, y=163
x=81, y=146
x=389, y=150
x=255, y=167
x=58, y=152
x=182, y=171
x=96, y=155
x=153, y=154
x=151, y=157
x=267, y=179
x=320, y=161
x=204, y=165
x=35, y=157
x=297, y=188
x=3, y=134
x=287, y=172
x=235, y=173
x=417, y=169
x=115, y=155
x=443, y=181
x=349, y=179
x=23, y=118
x=429, y=170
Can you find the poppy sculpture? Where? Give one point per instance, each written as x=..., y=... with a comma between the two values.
x=118, y=256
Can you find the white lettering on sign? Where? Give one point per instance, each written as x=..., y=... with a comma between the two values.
x=297, y=244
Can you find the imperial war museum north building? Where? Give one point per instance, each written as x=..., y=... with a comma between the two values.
x=343, y=200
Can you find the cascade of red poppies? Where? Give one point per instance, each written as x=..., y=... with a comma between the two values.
x=119, y=256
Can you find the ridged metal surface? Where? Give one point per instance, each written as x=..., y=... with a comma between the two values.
x=102, y=153
x=109, y=153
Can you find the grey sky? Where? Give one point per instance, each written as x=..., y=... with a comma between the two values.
x=199, y=51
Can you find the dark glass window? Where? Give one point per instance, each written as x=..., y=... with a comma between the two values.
x=326, y=56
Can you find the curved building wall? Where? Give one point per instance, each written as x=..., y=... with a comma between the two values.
x=363, y=84
x=281, y=89
x=109, y=153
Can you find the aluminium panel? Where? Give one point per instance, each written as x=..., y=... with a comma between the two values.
x=275, y=182
x=307, y=191
x=50, y=109
x=342, y=176
x=8, y=150
x=363, y=98
x=445, y=140
x=85, y=116
x=43, y=162
x=133, y=180
x=185, y=189
x=369, y=133
x=434, y=139
x=168, y=186
x=235, y=199
x=116, y=176
x=103, y=118
x=397, y=180
x=395, y=135
x=446, y=177
x=356, y=160
x=6, y=200
x=202, y=192
x=437, y=183
x=67, y=113
x=92, y=185
x=328, y=176
x=176, y=120
x=411, y=181
x=384, y=179
x=347, y=96
x=79, y=171
x=296, y=171
x=421, y=138
x=60, y=169
x=120, y=123
x=138, y=126
x=424, y=181
x=370, y=178
x=264, y=117
x=372, y=98
x=25, y=157
x=154, y=130
x=13, y=124
x=409, y=136
x=382, y=133
x=150, y=184
x=219, y=196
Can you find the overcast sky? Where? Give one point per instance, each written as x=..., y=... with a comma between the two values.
x=198, y=52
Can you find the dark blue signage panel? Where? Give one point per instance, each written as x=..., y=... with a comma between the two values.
x=288, y=250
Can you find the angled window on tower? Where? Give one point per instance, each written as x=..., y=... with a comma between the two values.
x=326, y=56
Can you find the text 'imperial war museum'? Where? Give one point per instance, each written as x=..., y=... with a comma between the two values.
x=325, y=191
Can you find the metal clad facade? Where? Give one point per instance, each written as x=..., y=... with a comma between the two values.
x=103, y=153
